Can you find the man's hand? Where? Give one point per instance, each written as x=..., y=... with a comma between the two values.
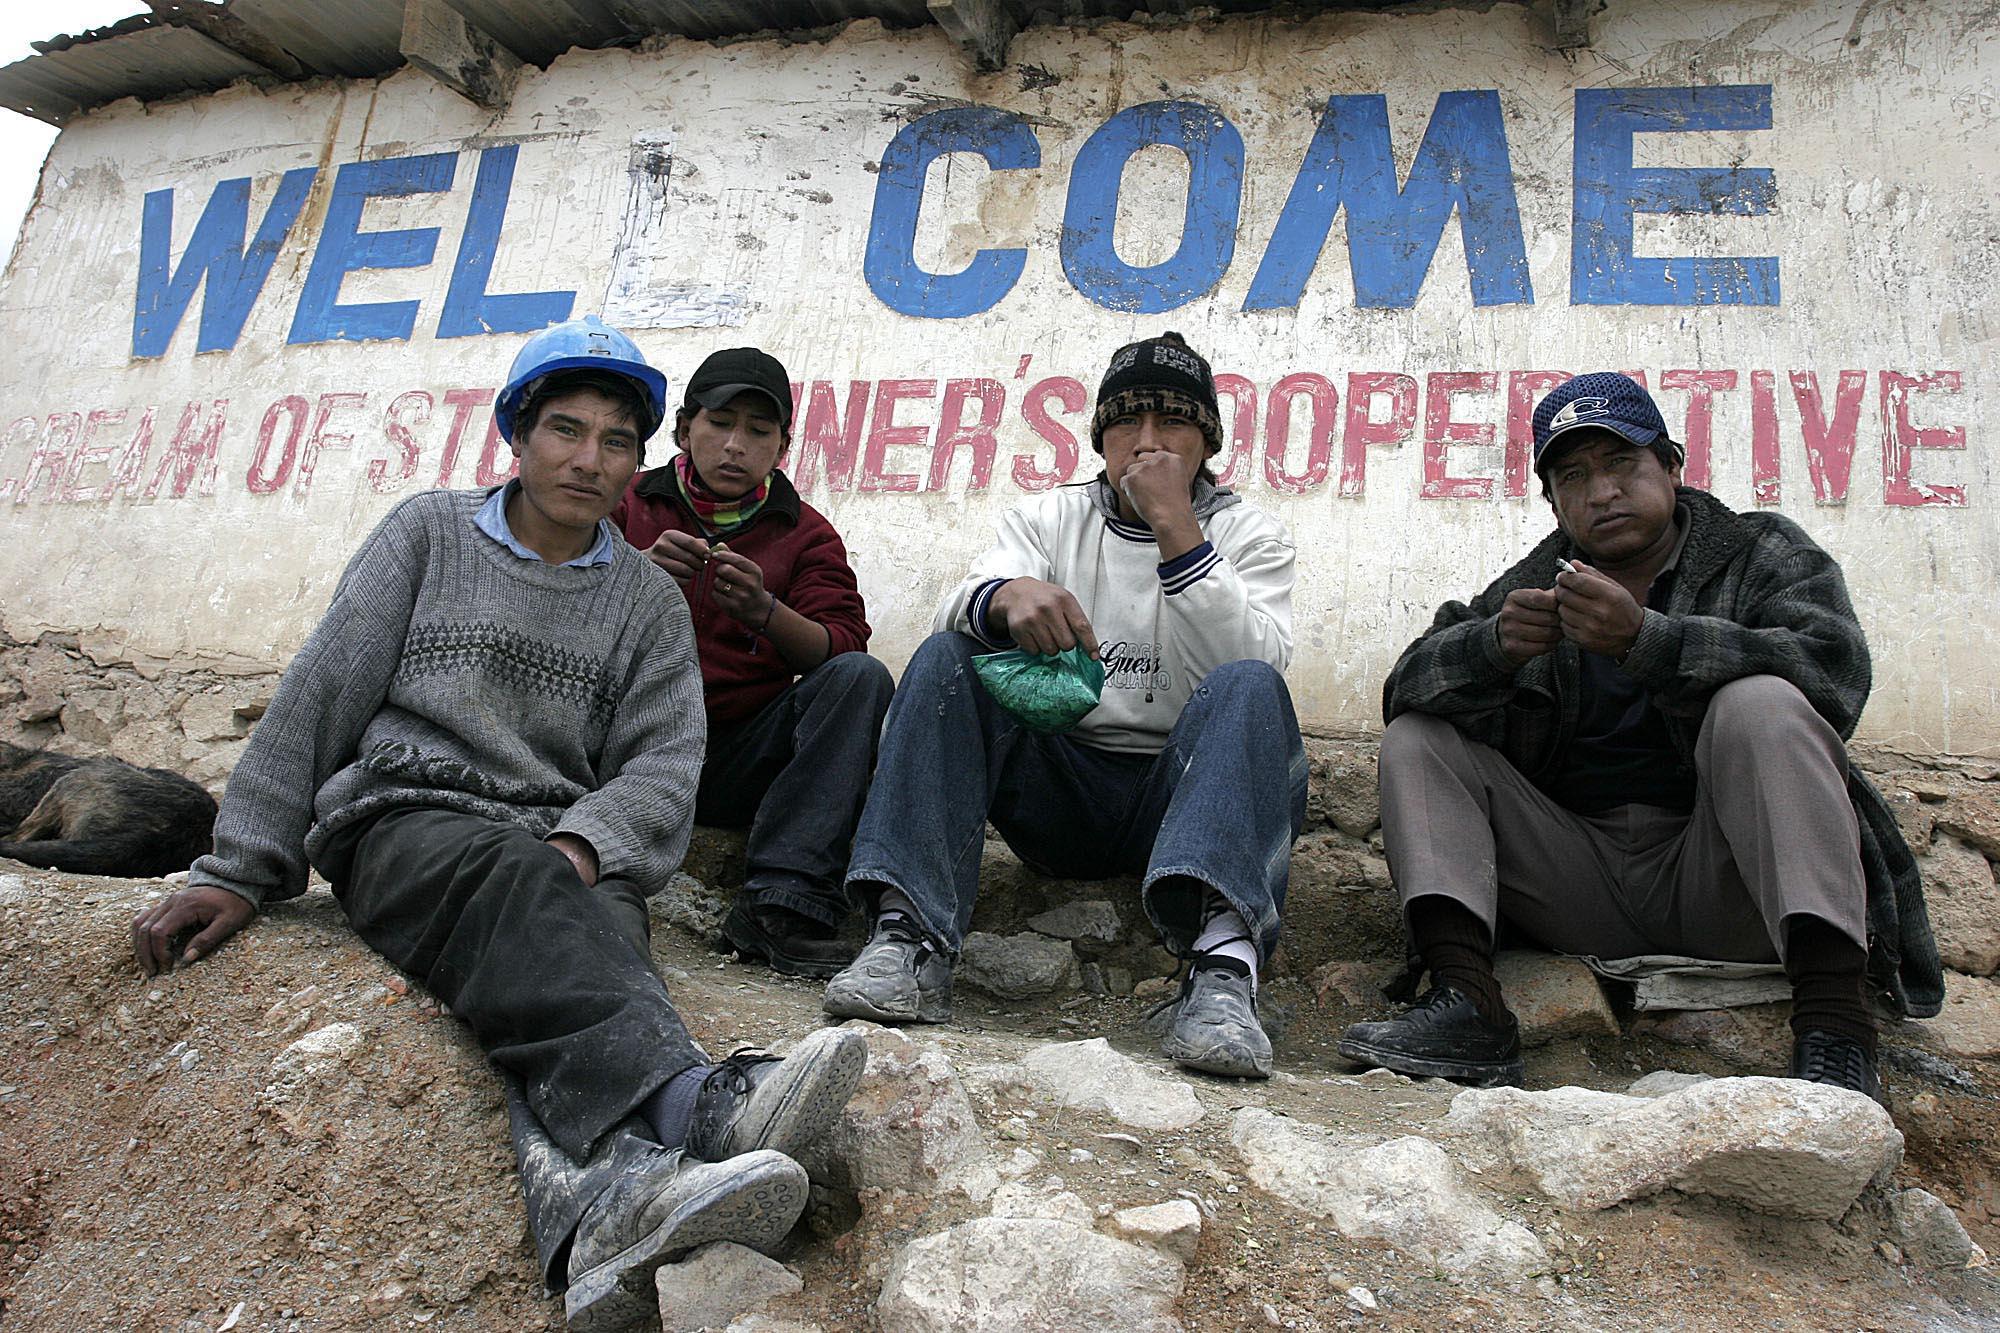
x=1529, y=624
x=218, y=912
x=739, y=586
x=1041, y=617
x=1597, y=614
x=680, y=554
x=1157, y=484
x=580, y=853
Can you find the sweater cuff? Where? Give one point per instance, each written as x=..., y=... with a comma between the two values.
x=614, y=857
x=197, y=880
x=1489, y=640
x=1651, y=657
x=975, y=614
x=1189, y=568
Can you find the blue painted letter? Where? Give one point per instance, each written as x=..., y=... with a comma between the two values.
x=467, y=308
x=1392, y=235
x=343, y=248
x=1610, y=190
x=1208, y=231
x=216, y=252
x=890, y=265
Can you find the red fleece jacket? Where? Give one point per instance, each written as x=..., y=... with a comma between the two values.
x=805, y=567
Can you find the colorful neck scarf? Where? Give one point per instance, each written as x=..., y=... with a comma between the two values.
x=717, y=516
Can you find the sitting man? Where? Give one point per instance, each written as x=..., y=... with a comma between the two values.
x=489, y=747
x=1632, y=743
x=1190, y=770
x=795, y=703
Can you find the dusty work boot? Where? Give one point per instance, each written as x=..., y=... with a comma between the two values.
x=1215, y=1027
x=787, y=941
x=755, y=1100
x=1443, y=1036
x=661, y=1209
x=900, y=976
x=1842, y=1062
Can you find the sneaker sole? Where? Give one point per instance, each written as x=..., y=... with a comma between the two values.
x=1220, y=1058
x=832, y=1063
x=757, y=1208
x=931, y=1007
x=1504, y=1073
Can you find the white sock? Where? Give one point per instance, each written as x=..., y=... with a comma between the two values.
x=1226, y=934
x=897, y=902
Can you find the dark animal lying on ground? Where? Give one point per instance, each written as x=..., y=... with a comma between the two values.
x=100, y=816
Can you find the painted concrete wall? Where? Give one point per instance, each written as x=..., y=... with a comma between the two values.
x=242, y=326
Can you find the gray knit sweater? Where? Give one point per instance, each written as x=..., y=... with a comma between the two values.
x=450, y=673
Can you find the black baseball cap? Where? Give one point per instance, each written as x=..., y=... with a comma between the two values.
x=737, y=370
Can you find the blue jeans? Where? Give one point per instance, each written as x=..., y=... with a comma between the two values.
x=1217, y=808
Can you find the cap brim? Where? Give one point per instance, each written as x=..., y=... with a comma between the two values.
x=723, y=394
x=1638, y=435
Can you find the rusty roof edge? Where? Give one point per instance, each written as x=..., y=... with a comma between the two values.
x=64, y=41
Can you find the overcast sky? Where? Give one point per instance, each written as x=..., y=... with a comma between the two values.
x=25, y=142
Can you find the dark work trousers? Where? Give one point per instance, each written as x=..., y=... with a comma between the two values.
x=554, y=977
x=1772, y=836
x=796, y=774
x=1219, y=806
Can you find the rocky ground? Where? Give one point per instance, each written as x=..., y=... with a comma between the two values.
x=290, y=1136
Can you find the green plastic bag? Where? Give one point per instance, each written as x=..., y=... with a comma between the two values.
x=1050, y=694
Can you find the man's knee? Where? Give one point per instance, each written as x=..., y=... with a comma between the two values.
x=1415, y=739
x=1248, y=676
x=1750, y=698
x=947, y=650
x=1762, y=711
x=855, y=678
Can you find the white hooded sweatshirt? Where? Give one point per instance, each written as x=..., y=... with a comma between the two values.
x=1161, y=627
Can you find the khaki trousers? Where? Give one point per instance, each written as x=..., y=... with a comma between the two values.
x=1772, y=835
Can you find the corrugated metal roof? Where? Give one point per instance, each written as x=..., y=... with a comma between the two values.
x=199, y=45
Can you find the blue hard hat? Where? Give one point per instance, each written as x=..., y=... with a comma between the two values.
x=580, y=344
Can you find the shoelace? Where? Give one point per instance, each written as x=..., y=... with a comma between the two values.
x=733, y=1073
x=899, y=927
x=1437, y=997
x=1187, y=967
x=1835, y=1060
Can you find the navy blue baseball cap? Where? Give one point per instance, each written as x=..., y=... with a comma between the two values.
x=1602, y=400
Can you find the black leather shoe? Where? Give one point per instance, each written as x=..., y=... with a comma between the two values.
x=1444, y=1036
x=785, y=940
x=1842, y=1062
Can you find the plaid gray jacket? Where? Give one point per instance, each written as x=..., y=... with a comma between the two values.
x=1752, y=595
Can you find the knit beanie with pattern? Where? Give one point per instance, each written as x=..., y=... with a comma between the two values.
x=1160, y=374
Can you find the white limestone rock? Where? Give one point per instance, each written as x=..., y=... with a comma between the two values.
x=1017, y=967
x=1964, y=906
x=1173, y=1227
x=1091, y=1076
x=1406, y=1192
x=909, y=1126
x=1931, y=1233
x=1093, y=920
x=1774, y=1144
x=715, y=1284
x=1663, y=1081
x=1028, y=1275
x=1968, y=1027
x=1019, y=1199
